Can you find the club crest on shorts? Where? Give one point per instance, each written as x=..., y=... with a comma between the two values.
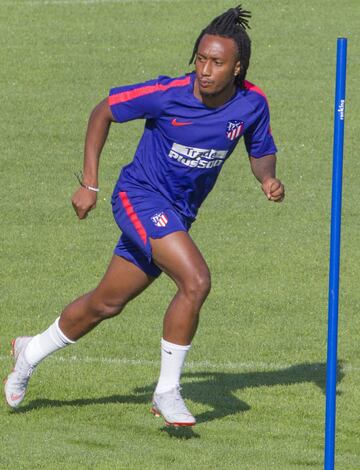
x=160, y=219
x=234, y=129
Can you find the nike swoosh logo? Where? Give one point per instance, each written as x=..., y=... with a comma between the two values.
x=176, y=123
x=168, y=352
x=15, y=397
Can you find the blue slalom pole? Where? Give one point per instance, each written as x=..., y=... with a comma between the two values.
x=339, y=120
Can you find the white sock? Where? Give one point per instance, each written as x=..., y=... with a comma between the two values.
x=45, y=343
x=172, y=361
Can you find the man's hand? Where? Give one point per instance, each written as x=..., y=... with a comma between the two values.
x=83, y=202
x=274, y=189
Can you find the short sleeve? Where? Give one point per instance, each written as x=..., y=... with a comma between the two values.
x=138, y=101
x=258, y=138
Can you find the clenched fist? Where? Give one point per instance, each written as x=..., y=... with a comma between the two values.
x=83, y=202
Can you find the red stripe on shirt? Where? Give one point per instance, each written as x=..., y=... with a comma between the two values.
x=133, y=216
x=124, y=96
x=251, y=87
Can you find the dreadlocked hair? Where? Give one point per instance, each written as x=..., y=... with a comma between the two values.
x=231, y=24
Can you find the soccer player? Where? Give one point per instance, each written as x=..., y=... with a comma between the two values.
x=193, y=124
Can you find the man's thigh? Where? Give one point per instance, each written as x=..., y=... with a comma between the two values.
x=179, y=257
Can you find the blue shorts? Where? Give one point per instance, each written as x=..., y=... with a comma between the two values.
x=141, y=216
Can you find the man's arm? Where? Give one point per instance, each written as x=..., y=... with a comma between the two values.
x=100, y=119
x=264, y=170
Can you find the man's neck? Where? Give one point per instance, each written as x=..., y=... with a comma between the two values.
x=217, y=100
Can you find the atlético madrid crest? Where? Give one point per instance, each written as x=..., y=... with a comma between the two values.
x=160, y=219
x=234, y=129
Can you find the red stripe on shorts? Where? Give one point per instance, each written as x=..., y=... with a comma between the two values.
x=133, y=216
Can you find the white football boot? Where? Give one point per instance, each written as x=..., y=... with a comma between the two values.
x=172, y=408
x=16, y=382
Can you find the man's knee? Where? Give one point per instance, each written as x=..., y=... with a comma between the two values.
x=198, y=285
x=106, y=308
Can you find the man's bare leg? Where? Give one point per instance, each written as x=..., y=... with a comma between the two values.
x=122, y=282
x=177, y=255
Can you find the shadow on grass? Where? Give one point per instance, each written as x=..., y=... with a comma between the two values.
x=183, y=433
x=216, y=389
x=213, y=389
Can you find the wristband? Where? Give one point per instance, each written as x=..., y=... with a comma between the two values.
x=79, y=177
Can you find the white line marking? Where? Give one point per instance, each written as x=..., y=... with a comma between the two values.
x=189, y=365
x=32, y=3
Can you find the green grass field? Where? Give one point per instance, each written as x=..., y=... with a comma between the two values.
x=255, y=377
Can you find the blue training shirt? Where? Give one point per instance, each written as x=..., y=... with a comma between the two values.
x=185, y=143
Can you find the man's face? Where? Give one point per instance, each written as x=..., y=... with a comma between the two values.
x=216, y=65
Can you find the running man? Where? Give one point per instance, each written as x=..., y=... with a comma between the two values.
x=193, y=124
